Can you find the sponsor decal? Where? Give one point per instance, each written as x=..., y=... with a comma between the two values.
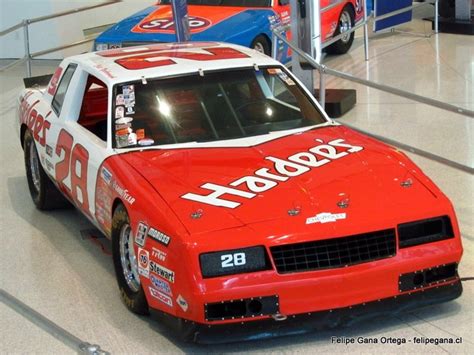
x=325, y=217
x=265, y=179
x=159, y=237
x=49, y=150
x=143, y=262
x=145, y=142
x=182, y=303
x=119, y=101
x=53, y=84
x=49, y=165
x=123, y=193
x=161, y=285
x=141, y=234
x=104, y=70
x=106, y=175
x=161, y=271
x=119, y=112
x=161, y=297
x=158, y=254
x=167, y=24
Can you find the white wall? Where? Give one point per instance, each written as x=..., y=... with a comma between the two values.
x=59, y=31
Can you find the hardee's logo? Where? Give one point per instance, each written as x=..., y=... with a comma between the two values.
x=265, y=179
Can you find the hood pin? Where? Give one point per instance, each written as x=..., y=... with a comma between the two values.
x=406, y=183
x=343, y=203
x=294, y=211
x=196, y=214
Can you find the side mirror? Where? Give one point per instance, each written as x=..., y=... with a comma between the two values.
x=283, y=2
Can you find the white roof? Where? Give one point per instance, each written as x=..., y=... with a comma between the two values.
x=167, y=59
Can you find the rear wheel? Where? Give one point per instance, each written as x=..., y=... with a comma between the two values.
x=126, y=263
x=346, y=22
x=44, y=193
x=261, y=44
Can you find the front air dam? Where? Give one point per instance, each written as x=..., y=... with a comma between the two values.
x=303, y=323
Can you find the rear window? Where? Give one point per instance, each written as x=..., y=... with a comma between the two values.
x=217, y=106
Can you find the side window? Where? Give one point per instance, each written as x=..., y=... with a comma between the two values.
x=95, y=103
x=62, y=88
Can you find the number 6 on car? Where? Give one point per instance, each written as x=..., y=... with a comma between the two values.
x=230, y=198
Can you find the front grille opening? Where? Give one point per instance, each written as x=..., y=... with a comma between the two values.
x=242, y=308
x=425, y=231
x=334, y=253
x=427, y=277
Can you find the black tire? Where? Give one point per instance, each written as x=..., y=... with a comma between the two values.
x=135, y=300
x=447, y=8
x=44, y=193
x=262, y=45
x=342, y=46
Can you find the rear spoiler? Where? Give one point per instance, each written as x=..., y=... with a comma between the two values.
x=37, y=81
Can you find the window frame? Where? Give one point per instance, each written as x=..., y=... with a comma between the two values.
x=115, y=87
x=54, y=102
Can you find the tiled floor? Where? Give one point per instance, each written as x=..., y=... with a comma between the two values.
x=46, y=264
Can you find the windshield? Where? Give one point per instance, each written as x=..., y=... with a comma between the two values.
x=243, y=3
x=216, y=106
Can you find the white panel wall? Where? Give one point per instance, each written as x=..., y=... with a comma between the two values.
x=59, y=31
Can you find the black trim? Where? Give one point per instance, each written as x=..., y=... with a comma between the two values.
x=428, y=277
x=242, y=308
x=55, y=105
x=425, y=231
x=308, y=322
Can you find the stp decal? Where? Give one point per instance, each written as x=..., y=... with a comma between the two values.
x=167, y=24
x=200, y=19
x=265, y=179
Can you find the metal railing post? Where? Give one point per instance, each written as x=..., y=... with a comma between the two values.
x=274, y=46
x=26, y=39
x=322, y=88
x=366, y=32
x=436, y=16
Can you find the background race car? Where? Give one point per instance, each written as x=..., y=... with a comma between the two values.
x=244, y=22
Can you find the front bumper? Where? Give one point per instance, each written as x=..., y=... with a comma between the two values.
x=307, y=322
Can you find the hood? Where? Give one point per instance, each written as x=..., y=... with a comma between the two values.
x=324, y=170
x=200, y=18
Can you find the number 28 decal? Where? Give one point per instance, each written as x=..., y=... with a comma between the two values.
x=231, y=260
x=73, y=164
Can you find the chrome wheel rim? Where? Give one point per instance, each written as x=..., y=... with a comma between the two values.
x=34, y=167
x=345, y=24
x=128, y=258
x=259, y=47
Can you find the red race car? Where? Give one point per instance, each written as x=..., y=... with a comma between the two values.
x=233, y=203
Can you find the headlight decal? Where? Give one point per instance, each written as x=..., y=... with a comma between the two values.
x=235, y=261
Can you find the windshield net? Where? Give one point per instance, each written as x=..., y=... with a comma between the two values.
x=217, y=106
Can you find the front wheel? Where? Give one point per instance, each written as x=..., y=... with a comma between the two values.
x=261, y=44
x=346, y=22
x=126, y=263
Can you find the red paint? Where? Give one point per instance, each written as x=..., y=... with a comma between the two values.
x=148, y=60
x=53, y=84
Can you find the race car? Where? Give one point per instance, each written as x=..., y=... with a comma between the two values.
x=248, y=23
x=234, y=205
